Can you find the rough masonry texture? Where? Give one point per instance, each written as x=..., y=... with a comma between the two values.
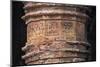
x=56, y=33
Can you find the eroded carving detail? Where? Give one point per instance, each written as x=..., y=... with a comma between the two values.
x=55, y=35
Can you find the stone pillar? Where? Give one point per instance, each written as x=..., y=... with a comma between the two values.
x=56, y=33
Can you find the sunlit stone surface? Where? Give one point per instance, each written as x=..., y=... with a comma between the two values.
x=55, y=33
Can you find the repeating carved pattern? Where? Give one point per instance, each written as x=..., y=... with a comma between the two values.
x=67, y=25
x=55, y=33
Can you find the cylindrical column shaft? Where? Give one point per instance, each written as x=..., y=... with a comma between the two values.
x=55, y=33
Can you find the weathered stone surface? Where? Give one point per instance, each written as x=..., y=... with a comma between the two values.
x=55, y=33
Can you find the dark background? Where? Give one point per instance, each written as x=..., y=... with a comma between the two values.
x=19, y=33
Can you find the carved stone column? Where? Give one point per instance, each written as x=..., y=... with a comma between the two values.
x=55, y=33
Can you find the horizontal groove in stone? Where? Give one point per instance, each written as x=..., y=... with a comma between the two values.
x=42, y=5
x=72, y=20
x=70, y=42
x=47, y=55
x=63, y=49
x=54, y=12
x=60, y=60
